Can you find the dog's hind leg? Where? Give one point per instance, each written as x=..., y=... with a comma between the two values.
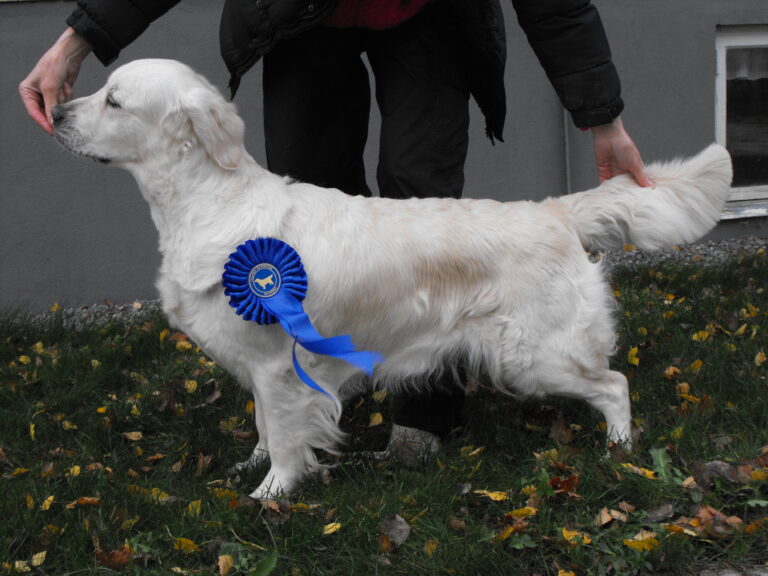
x=605, y=390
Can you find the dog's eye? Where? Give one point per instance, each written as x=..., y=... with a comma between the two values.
x=111, y=102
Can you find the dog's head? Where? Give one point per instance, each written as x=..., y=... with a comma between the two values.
x=150, y=110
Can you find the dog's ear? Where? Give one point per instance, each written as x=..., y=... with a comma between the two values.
x=217, y=125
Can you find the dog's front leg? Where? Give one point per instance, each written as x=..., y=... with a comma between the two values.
x=296, y=420
x=260, y=453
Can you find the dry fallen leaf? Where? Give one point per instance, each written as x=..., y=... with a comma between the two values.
x=574, y=537
x=375, y=420
x=643, y=541
x=430, y=546
x=495, y=496
x=331, y=528
x=226, y=563
x=185, y=545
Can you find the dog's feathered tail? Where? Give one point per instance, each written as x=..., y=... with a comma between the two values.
x=685, y=204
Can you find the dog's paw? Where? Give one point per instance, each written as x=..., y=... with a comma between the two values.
x=258, y=458
x=274, y=487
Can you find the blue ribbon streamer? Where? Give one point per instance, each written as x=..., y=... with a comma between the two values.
x=266, y=283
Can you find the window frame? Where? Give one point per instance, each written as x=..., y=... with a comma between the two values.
x=746, y=201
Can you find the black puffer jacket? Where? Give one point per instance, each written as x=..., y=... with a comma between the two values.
x=567, y=36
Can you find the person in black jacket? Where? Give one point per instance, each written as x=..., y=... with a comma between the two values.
x=428, y=57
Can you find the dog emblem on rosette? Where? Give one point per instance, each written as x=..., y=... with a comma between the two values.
x=264, y=280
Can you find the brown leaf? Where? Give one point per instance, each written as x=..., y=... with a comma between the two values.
x=565, y=485
x=626, y=507
x=560, y=432
x=457, y=524
x=203, y=463
x=660, y=513
x=115, y=559
x=84, y=501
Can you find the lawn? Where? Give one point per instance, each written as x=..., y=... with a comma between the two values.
x=115, y=443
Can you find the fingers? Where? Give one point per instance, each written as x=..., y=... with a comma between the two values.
x=35, y=104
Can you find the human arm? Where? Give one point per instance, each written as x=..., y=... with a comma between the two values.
x=570, y=42
x=103, y=27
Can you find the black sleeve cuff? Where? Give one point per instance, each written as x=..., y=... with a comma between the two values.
x=104, y=47
x=593, y=97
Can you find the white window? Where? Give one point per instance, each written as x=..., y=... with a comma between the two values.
x=742, y=115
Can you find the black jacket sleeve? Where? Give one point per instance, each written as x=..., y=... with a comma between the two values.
x=570, y=42
x=110, y=25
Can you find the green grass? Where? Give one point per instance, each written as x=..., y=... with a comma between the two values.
x=73, y=401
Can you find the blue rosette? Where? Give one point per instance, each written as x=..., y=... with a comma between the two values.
x=266, y=283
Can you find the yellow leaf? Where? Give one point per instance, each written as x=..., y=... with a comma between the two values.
x=523, y=512
x=129, y=523
x=55, y=307
x=185, y=545
x=565, y=573
x=495, y=496
x=700, y=336
x=331, y=528
x=643, y=541
x=101, y=410
x=671, y=372
x=760, y=358
x=226, y=563
x=19, y=471
x=184, y=346
x=379, y=395
x=632, y=357
x=67, y=425
x=741, y=331
x=24, y=360
x=575, y=537
x=759, y=475
x=696, y=366
x=190, y=386
x=164, y=334
x=429, y=547
x=32, y=430
x=46, y=505
x=677, y=433
x=639, y=471
x=225, y=494
x=249, y=407
x=29, y=501
x=74, y=471
x=95, y=363
x=376, y=419
x=690, y=398
x=137, y=305
x=193, y=509
x=135, y=410
x=642, y=331
x=133, y=436
x=39, y=348
x=38, y=559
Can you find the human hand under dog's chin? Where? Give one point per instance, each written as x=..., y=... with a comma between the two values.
x=616, y=153
x=50, y=81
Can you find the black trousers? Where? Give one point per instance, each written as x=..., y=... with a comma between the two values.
x=317, y=100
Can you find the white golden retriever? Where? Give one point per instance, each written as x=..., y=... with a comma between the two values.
x=426, y=283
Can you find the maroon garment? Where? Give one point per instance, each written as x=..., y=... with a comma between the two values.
x=373, y=14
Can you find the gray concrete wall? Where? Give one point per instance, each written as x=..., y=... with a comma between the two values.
x=77, y=232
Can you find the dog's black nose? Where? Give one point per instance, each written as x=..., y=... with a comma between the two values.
x=57, y=114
